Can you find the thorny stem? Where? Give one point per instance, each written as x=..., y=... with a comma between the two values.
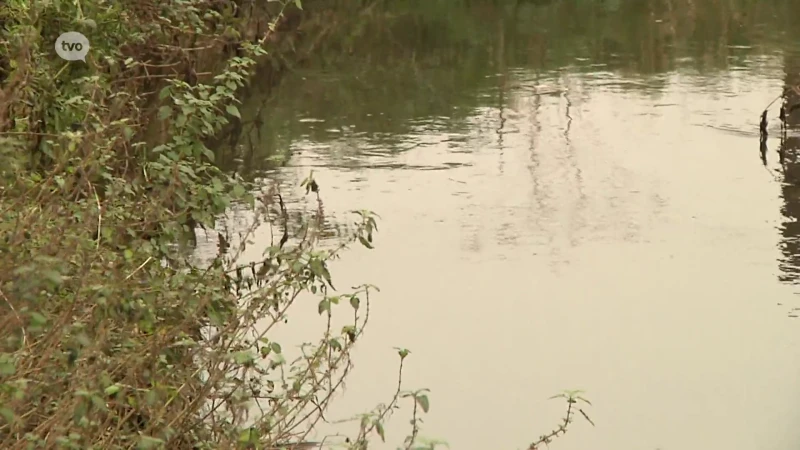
x=415, y=427
x=560, y=430
x=572, y=398
x=361, y=441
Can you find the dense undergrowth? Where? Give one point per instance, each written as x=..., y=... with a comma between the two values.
x=111, y=336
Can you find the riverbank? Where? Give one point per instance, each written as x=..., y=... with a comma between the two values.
x=104, y=168
x=113, y=337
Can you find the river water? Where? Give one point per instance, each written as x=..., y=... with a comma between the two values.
x=571, y=197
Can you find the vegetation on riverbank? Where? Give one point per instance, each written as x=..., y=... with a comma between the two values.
x=413, y=61
x=112, y=336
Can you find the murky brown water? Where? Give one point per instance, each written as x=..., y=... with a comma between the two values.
x=596, y=222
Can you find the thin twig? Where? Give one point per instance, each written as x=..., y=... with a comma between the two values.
x=149, y=258
x=99, y=215
x=19, y=319
x=415, y=427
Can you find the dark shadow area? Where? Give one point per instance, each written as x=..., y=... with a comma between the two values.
x=790, y=189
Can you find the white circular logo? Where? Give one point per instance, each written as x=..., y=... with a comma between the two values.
x=72, y=46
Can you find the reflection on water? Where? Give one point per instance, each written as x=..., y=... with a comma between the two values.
x=788, y=149
x=570, y=199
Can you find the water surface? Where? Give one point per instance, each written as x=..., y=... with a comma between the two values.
x=572, y=196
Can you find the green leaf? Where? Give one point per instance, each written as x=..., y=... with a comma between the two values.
x=276, y=347
x=7, y=414
x=18, y=391
x=297, y=267
x=350, y=331
x=80, y=411
x=112, y=390
x=379, y=429
x=8, y=366
x=88, y=23
x=244, y=357
x=164, y=112
x=149, y=442
x=164, y=92
x=365, y=242
x=98, y=403
x=299, y=4
x=83, y=393
x=324, y=306
x=37, y=319
x=355, y=302
x=208, y=153
x=239, y=190
x=403, y=352
x=53, y=276
x=423, y=401
x=83, y=339
x=72, y=100
x=245, y=436
x=317, y=267
x=233, y=110
x=151, y=397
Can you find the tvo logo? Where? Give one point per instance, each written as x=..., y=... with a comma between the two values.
x=72, y=46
